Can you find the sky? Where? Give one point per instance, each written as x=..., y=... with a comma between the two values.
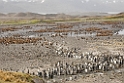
x=61, y=6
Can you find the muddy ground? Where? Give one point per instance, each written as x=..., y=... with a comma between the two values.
x=15, y=56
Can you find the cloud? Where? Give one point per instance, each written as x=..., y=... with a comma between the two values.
x=42, y=1
x=62, y=6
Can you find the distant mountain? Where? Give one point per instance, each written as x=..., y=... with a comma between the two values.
x=33, y=15
x=121, y=13
x=61, y=6
x=2, y=15
x=41, y=1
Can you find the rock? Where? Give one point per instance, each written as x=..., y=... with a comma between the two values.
x=36, y=80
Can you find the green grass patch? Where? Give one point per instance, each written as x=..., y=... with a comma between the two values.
x=18, y=22
x=101, y=19
x=59, y=20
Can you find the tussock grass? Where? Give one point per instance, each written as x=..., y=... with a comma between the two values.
x=14, y=77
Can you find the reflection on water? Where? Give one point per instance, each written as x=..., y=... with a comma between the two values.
x=121, y=32
x=81, y=34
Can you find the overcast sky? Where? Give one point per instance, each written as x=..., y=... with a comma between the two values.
x=56, y=6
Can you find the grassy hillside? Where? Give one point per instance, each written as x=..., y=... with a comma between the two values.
x=34, y=19
x=19, y=21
